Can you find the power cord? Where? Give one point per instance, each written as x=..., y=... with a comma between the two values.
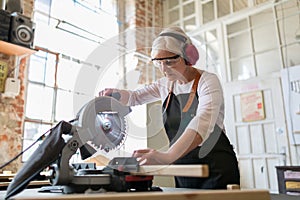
x=22, y=152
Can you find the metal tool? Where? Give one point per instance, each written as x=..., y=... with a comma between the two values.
x=99, y=125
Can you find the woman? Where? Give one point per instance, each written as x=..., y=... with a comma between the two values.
x=193, y=113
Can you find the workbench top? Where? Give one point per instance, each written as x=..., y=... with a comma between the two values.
x=166, y=194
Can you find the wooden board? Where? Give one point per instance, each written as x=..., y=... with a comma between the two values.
x=168, y=195
x=6, y=176
x=173, y=170
x=160, y=170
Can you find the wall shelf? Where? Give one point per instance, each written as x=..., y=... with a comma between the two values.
x=14, y=50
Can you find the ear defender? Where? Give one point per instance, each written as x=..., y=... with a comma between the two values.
x=190, y=52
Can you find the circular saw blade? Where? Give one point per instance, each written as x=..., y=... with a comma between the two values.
x=101, y=123
x=110, y=131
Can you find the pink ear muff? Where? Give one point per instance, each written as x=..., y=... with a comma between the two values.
x=191, y=53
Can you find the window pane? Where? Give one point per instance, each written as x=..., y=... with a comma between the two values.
x=288, y=29
x=190, y=24
x=42, y=5
x=37, y=67
x=264, y=37
x=172, y=3
x=211, y=36
x=64, y=106
x=200, y=37
x=262, y=18
x=268, y=62
x=32, y=131
x=288, y=7
x=223, y=7
x=242, y=69
x=239, y=45
x=291, y=55
x=213, y=51
x=67, y=73
x=189, y=9
x=237, y=26
x=39, y=102
x=42, y=68
x=174, y=16
x=208, y=12
x=239, y=4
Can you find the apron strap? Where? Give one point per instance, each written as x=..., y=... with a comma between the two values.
x=191, y=97
x=192, y=93
x=169, y=95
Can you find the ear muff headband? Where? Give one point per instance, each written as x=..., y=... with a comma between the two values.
x=189, y=51
x=176, y=36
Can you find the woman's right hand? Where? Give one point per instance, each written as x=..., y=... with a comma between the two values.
x=108, y=92
x=120, y=95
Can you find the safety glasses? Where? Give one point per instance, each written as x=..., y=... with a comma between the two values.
x=168, y=61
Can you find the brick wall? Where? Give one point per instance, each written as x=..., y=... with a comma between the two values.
x=12, y=110
x=147, y=14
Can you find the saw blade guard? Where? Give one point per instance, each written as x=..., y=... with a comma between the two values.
x=102, y=122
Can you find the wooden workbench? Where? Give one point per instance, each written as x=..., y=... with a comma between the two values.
x=167, y=194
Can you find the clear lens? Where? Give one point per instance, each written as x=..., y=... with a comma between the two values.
x=167, y=62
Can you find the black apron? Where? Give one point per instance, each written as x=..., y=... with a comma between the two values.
x=216, y=151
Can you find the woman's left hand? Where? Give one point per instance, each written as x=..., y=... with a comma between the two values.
x=151, y=157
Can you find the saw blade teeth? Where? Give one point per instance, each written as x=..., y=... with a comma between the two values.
x=104, y=121
x=111, y=140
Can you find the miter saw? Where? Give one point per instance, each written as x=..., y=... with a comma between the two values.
x=100, y=124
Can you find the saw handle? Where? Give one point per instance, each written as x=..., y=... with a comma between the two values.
x=115, y=95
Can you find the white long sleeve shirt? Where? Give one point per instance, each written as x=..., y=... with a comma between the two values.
x=210, y=110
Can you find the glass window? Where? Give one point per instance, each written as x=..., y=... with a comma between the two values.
x=291, y=55
x=237, y=26
x=189, y=9
x=264, y=37
x=43, y=68
x=211, y=36
x=267, y=62
x=223, y=7
x=174, y=15
x=240, y=45
x=172, y=3
x=39, y=102
x=67, y=73
x=239, y=5
x=52, y=74
x=242, y=69
x=190, y=24
x=262, y=18
x=64, y=106
x=208, y=12
x=288, y=29
x=208, y=47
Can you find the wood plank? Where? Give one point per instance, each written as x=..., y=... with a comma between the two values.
x=13, y=49
x=169, y=195
x=173, y=170
x=6, y=176
x=160, y=170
